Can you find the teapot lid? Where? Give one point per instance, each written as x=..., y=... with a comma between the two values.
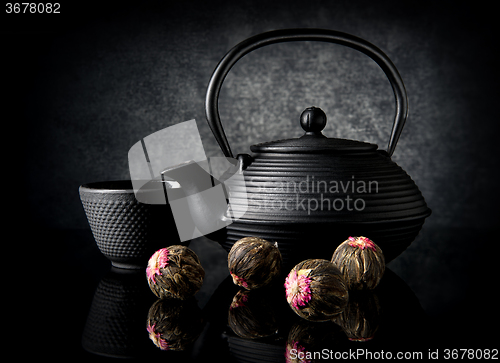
x=313, y=121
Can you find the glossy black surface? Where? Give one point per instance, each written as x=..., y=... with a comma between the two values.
x=88, y=310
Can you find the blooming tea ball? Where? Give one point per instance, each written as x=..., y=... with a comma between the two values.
x=315, y=290
x=254, y=262
x=175, y=272
x=361, y=262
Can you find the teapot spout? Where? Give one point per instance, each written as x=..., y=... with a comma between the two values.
x=203, y=205
x=190, y=175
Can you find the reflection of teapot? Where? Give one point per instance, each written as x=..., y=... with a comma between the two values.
x=297, y=187
x=397, y=317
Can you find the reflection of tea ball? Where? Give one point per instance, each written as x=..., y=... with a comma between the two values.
x=254, y=262
x=252, y=314
x=174, y=324
x=306, y=339
x=361, y=262
x=175, y=272
x=361, y=317
x=315, y=290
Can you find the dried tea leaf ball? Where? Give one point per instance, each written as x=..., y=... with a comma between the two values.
x=254, y=262
x=361, y=262
x=174, y=324
x=175, y=272
x=315, y=290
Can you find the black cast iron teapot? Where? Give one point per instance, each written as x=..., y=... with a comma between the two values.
x=311, y=193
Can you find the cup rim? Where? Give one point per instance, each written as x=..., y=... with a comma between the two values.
x=108, y=186
x=117, y=186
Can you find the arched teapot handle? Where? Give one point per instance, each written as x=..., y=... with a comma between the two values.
x=289, y=35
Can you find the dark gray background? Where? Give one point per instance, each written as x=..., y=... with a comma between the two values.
x=91, y=82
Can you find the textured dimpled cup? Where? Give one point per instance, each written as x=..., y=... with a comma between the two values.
x=315, y=290
x=126, y=231
x=175, y=272
x=361, y=262
x=254, y=262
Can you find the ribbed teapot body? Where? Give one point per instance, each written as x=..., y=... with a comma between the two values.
x=358, y=187
x=318, y=200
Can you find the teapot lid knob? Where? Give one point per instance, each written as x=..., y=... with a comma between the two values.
x=313, y=120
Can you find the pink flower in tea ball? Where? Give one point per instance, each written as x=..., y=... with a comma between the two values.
x=239, y=300
x=158, y=261
x=362, y=242
x=157, y=339
x=239, y=281
x=296, y=353
x=298, y=290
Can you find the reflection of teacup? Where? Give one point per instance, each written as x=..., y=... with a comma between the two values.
x=126, y=231
x=115, y=323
